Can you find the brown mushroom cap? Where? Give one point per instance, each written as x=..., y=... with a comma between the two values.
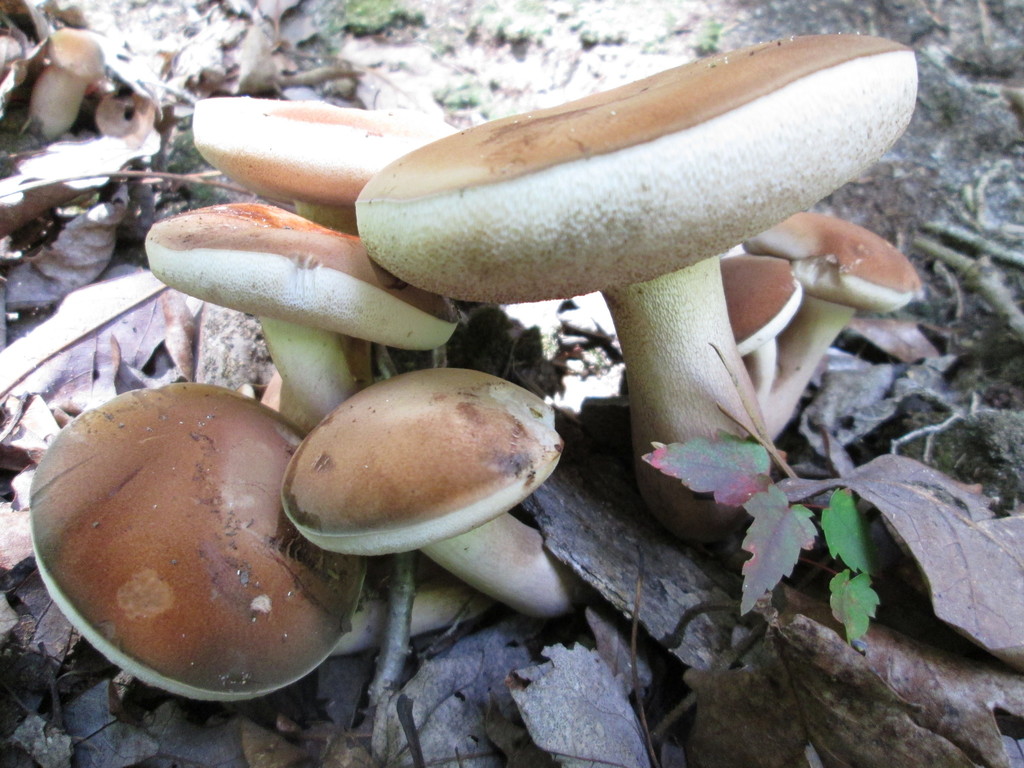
x=264, y=260
x=626, y=185
x=762, y=297
x=158, y=530
x=306, y=150
x=841, y=262
x=417, y=458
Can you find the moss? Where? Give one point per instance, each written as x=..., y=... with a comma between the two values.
x=374, y=17
x=986, y=448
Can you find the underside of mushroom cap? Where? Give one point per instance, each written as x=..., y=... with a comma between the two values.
x=271, y=263
x=626, y=185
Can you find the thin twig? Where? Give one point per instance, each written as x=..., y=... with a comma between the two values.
x=976, y=241
x=982, y=277
x=395, y=644
x=144, y=176
x=412, y=737
x=633, y=637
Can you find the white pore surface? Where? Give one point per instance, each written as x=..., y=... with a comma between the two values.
x=275, y=286
x=632, y=215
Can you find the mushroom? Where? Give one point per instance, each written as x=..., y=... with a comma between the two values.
x=433, y=460
x=158, y=531
x=843, y=268
x=316, y=155
x=75, y=62
x=762, y=296
x=634, y=192
x=319, y=298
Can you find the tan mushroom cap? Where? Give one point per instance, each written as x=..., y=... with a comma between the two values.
x=158, y=530
x=271, y=263
x=77, y=52
x=762, y=297
x=418, y=458
x=626, y=185
x=305, y=150
x=841, y=262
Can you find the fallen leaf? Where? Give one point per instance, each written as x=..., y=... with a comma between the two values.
x=15, y=536
x=61, y=172
x=972, y=561
x=182, y=742
x=603, y=728
x=48, y=746
x=450, y=695
x=901, y=339
x=774, y=541
x=77, y=257
x=101, y=740
x=71, y=358
x=26, y=431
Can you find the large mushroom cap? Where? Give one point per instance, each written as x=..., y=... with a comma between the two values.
x=264, y=260
x=626, y=185
x=158, y=530
x=419, y=458
x=306, y=150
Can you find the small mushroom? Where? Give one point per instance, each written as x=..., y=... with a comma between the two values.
x=762, y=296
x=843, y=268
x=433, y=460
x=316, y=155
x=319, y=298
x=159, y=533
x=635, y=191
x=75, y=62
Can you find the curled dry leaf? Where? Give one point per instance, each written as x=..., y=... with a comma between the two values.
x=100, y=337
x=77, y=257
x=44, y=180
x=972, y=561
x=900, y=338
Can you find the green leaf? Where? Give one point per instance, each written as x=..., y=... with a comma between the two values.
x=846, y=532
x=727, y=466
x=853, y=602
x=774, y=541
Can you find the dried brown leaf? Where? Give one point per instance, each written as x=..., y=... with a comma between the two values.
x=77, y=257
x=98, y=333
x=27, y=428
x=601, y=729
x=972, y=561
x=900, y=338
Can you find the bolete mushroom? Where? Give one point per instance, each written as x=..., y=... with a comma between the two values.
x=319, y=298
x=315, y=155
x=635, y=192
x=159, y=533
x=74, y=63
x=843, y=268
x=433, y=460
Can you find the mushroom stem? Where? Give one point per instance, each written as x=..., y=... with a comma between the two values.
x=506, y=559
x=332, y=217
x=319, y=369
x=679, y=385
x=801, y=347
x=761, y=365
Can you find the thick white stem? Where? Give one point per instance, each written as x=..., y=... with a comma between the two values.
x=669, y=329
x=801, y=347
x=319, y=369
x=506, y=560
x=761, y=366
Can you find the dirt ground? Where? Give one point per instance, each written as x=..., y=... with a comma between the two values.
x=657, y=670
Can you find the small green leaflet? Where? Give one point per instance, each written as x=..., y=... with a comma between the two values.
x=853, y=602
x=731, y=468
x=774, y=541
x=846, y=532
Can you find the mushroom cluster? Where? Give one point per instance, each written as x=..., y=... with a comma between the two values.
x=633, y=192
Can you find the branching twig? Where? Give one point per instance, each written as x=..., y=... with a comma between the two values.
x=977, y=241
x=395, y=644
x=982, y=277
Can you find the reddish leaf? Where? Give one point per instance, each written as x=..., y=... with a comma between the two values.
x=774, y=541
x=730, y=468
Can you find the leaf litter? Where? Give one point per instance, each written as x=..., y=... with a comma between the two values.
x=802, y=685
